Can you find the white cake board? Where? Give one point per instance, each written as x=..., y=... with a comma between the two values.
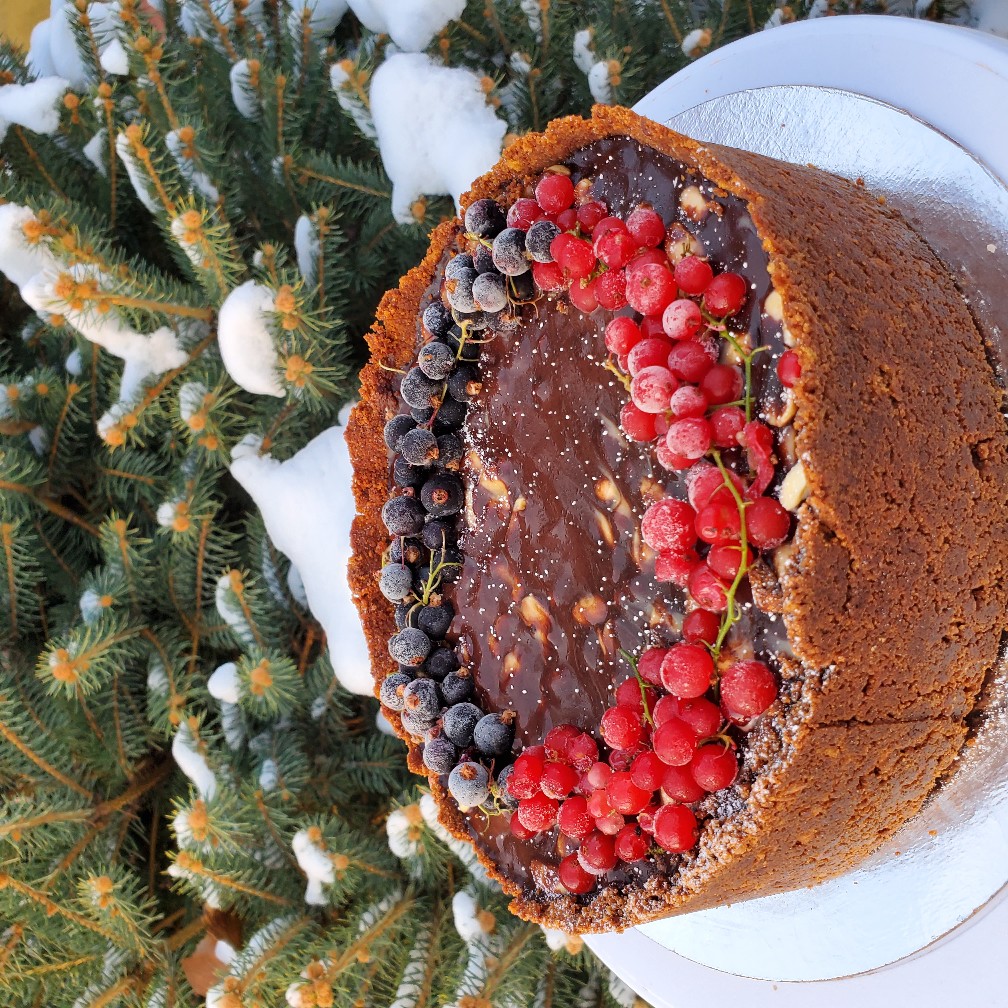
x=925, y=922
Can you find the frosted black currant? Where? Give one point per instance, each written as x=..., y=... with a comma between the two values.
x=420, y=391
x=494, y=734
x=392, y=689
x=436, y=360
x=457, y=265
x=416, y=724
x=509, y=252
x=403, y=516
x=395, y=429
x=435, y=619
x=440, y=663
x=437, y=319
x=410, y=646
x=419, y=447
x=451, y=448
x=464, y=384
x=406, y=475
x=469, y=784
x=458, y=723
x=439, y=754
x=422, y=697
x=490, y=292
x=442, y=495
x=538, y=238
x=459, y=290
x=504, y=797
x=484, y=218
x=404, y=551
x=450, y=415
x=396, y=582
x=457, y=686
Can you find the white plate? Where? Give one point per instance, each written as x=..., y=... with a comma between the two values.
x=746, y=95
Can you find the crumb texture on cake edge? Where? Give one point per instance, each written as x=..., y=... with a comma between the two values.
x=908, y=573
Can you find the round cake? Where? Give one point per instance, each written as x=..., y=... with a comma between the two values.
x=682, y=545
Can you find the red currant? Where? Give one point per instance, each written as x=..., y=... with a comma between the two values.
x=523, y=213
x=598, y=804
x=622, y=334
x=636, y=424
x=650, y=289
x=573, y=254
x=558, y=780
x=599, y=852
x=689, y=437
x=610, y=289
x=537, y=813
x=705, y=485
x=573, y=877
x=669, y=459
x=688, y=401
x=789, y=369
x=574, y=819
x=628, y=694
x=621, y=727
x=675, y=828
x=748, y=688
x=597, y=775
x=567, y=220
x=549, y=276
x=527, y=773
x=605, y=224
x=725, y=295
x=649, y=665
x=582, y=296
x=725, y=559
x=680, y=785
x=614, y=247
x=682, y=319
x=649, y=352
x=767, y=523
x=714, y=767
x=687, y=671
x=674, y=742
x=676, y=568
x=631, y=844
x=708, y=590
x=727, y=423
x=610, y=824
x=719, y=522
x=519, y=831
x=668, y=524
x=557, y=739
x=624, y=795
x=647, y=772
x=700, y=627
x=646, y=227
x=582, y=752
x=722, y=384
x=645, y=818
x=649, y=257
x=690, y=360
x=554, y=192
x=702, y=716
x=652, y=388
x=590, y=213
x=665, y=708
x=693, y=275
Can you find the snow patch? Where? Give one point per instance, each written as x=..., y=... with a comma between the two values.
x=223, y=684
x=135, y=172
x=436, y=133
x=315, y=862
x=242, y=93
x=307, y=248
x=269, y=775
x=412, y=24
x=94, y=151
x=471, y=925
x=91, y=606
x=197, y=180
x=231, y=611
x=34, y=105
x=191, y=763
x=325, y=15
x=349, y=100
x=114, y=59
x=307, y=506
x=245, y=340
x=411, y=986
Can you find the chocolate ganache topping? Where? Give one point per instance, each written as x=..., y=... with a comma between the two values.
x=556, y=580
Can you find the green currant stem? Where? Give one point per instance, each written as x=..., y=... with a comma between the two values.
x=632, y=662
x=731, y=615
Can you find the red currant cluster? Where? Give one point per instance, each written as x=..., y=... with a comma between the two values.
x=667, y=750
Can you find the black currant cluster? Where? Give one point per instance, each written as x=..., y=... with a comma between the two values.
x=431, y=692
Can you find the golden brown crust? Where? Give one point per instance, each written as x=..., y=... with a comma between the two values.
x=896, y=602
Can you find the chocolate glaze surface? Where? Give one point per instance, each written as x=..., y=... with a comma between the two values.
x=556, y=579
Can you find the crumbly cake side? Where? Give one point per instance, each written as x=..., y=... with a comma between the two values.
x=895, y=600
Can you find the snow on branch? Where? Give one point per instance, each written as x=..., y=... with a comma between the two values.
x=412, y=24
